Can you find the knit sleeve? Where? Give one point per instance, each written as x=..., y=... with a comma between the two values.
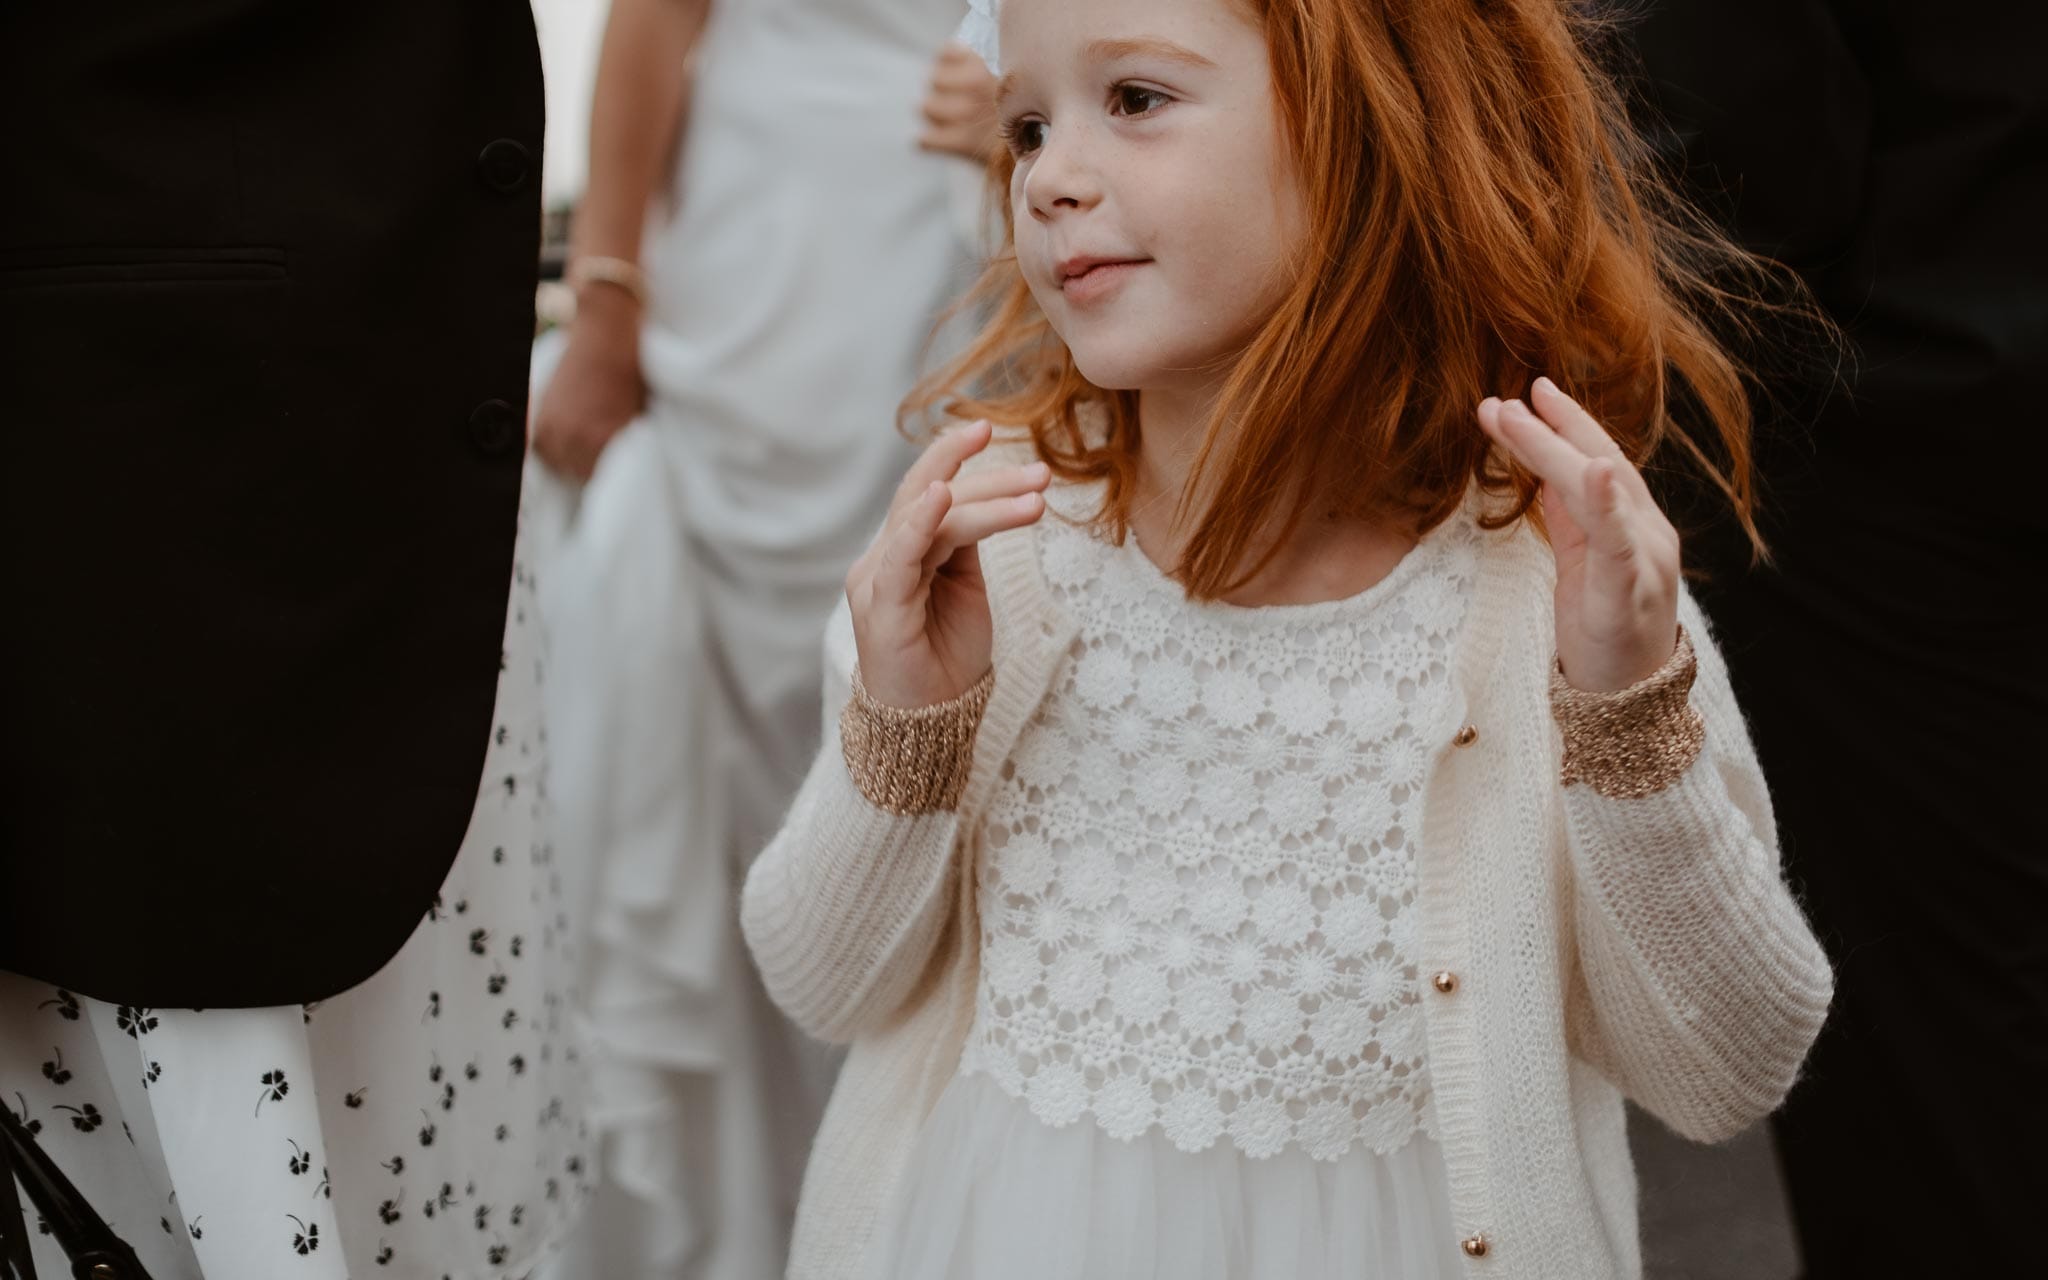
x=1700, y=987
x=845, y=907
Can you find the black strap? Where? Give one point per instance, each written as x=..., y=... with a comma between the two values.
x=96, y=1253
x=15, y=1262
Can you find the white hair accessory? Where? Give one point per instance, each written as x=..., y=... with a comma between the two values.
x=978, y=32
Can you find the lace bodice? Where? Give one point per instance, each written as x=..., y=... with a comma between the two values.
x=1197, y=887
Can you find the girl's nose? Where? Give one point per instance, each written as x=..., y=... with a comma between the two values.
x=1061, y=180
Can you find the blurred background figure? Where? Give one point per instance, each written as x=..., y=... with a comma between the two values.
x=1896, y=155
x=766, y=240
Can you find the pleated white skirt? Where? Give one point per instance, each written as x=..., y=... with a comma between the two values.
x=992, y=1193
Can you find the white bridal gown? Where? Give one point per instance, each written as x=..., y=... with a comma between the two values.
x=797, y=264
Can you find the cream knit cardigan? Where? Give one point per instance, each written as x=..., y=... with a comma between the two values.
x=1602, y=948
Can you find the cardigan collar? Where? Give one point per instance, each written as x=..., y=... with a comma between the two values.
x=1032, y=630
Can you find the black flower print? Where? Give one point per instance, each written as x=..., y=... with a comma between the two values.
x=495, y=984
x=479, y=941
x=66, y=1003
x=84, y=1119
x=396, y=1164
x=447, y=1199
x=391, y=1210
x=552, y=1189
x=155, y=1073
x=307, y=1239
x=300, y=1161
x=462, y=906
x=34, y=1127
x=55, y=1071
x=517, y=945
x=326, y=1188
x=433, y=1006
x=427, y=1130
x=503, y=1132
x=469, y=1071
x=384, y=1254
x=498, y=856
x=194, y=1228
x=353, y=1099
x=448, y=1097
x=510, y=1020
x=518, y=1064
x=275, y=1087
x=483, y=1217
x=518, y=1214
x=496, y=1255
x=434, y=909
x=137, y=1022
x=433, y=1069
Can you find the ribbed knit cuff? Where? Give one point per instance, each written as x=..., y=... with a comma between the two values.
x=912, y=760
x=1636, y=741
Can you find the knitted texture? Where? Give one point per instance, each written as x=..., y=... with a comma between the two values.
x=911, y=760
x=1603, y=947
x=1198, y=881
x=1636, y=741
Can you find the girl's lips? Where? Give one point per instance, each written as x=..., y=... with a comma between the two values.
x=1099, y=280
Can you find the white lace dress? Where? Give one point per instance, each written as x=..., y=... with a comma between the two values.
x=1197, y=1049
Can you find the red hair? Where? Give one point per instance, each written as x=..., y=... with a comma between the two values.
x=1479, y=211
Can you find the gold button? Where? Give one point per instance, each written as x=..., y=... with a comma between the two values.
x=1474, y=1246
x=1445, y=982
x=1466, y=736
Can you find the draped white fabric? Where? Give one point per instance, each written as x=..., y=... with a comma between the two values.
x=797, y=267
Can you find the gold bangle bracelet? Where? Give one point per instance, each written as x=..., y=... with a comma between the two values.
x=616, y=272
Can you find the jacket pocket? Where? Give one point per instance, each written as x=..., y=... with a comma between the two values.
x=88, y=267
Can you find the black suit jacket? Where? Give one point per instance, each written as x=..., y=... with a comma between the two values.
x=1896, y=153
x=266, y=302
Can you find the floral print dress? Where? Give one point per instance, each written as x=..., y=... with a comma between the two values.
x=427, y=1124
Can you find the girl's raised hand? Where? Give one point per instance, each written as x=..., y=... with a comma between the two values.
x=1617, y=554
x=920, y=607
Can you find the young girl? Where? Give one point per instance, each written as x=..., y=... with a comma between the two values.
x=1282, y=859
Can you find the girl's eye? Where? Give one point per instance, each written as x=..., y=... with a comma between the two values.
x=1135, y=100
x=1023, y=136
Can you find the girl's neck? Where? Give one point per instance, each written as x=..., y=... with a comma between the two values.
x=1326, y=557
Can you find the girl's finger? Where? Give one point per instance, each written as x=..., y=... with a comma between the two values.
x=965, y=526
x=1531, y=442
x=899, y=577
x=1607, y=525
x=1569, y=419
x=940, y=461
x=1007, y=482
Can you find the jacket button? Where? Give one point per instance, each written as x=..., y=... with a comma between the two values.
x=494, y=427
x=104, y=1271
x=1446, y=982
x=1466, y=736
x=1474, y=1246
x=505, y=166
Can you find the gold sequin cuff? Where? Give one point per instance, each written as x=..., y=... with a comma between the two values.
x=912, y=760
x=1636, y=741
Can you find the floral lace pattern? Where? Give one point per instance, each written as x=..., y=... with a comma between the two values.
x=1197, y=886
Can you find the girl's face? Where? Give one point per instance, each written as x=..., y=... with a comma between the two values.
x=1156, y=207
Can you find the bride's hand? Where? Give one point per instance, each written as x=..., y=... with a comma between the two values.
x=960, y=105
x=1617, y=554
x=596, y=389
